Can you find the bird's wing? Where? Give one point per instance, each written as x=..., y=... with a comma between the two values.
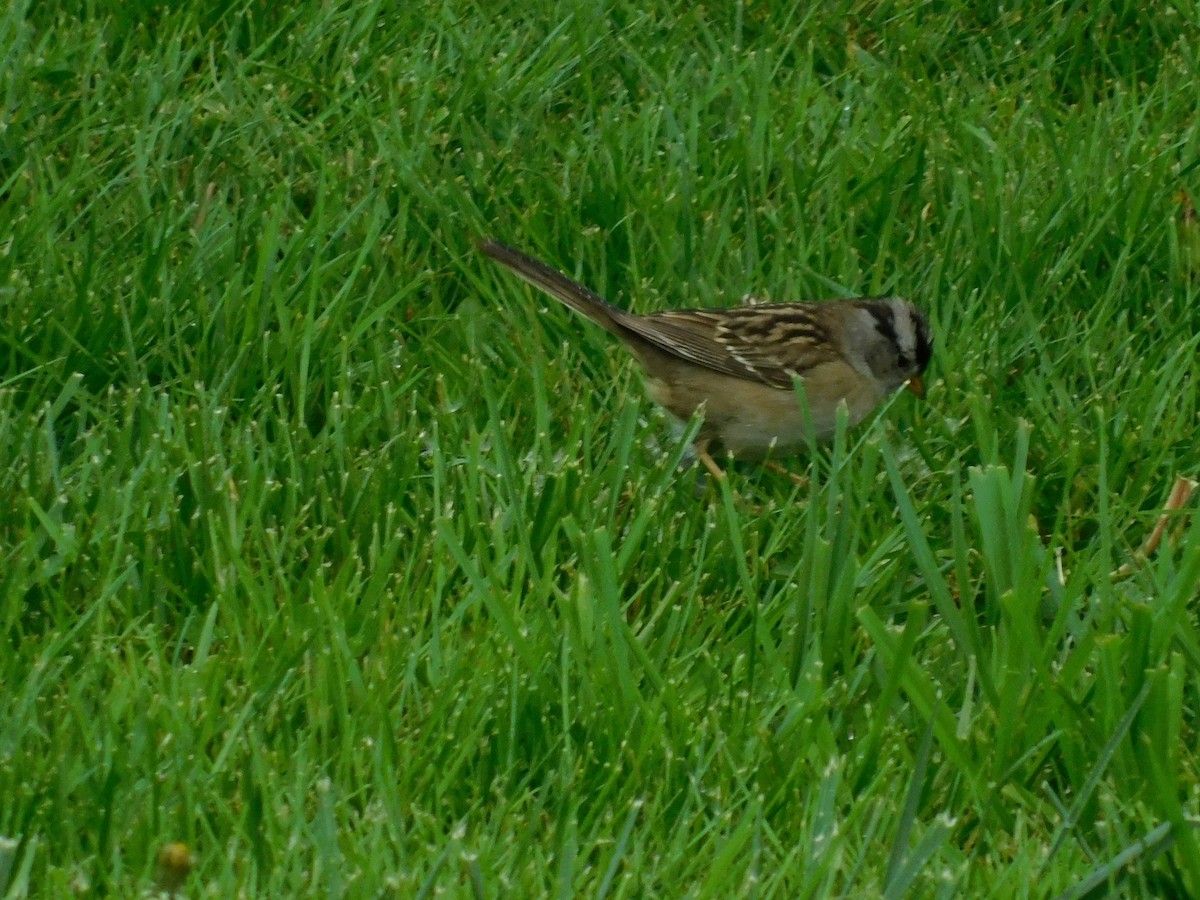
x=769, y=344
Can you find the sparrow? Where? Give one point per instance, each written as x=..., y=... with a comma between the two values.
x=738, y=367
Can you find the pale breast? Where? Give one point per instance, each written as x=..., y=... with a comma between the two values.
x=750, y=419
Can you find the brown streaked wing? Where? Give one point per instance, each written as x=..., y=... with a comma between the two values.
x=778, y=341
x=768, y=344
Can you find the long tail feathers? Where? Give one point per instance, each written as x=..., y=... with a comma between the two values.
x=584, y=301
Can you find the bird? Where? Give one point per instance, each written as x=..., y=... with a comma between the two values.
x=738, y=366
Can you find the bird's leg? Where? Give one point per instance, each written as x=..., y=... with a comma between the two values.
x=709, y=463
x=798, y=480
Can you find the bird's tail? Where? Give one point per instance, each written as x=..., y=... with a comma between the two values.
x=571, y=293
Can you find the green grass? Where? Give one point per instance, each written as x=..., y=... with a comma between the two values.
x=329, y=550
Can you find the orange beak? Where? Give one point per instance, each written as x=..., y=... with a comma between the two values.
x=917, y=385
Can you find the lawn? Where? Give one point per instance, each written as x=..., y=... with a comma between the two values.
x=335, y=553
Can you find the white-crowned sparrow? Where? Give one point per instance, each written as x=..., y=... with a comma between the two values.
x=737, y=365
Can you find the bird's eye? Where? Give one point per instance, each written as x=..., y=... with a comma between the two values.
x=903, y=361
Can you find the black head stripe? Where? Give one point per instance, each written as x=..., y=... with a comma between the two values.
x=924, y=343
x=885, y=320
